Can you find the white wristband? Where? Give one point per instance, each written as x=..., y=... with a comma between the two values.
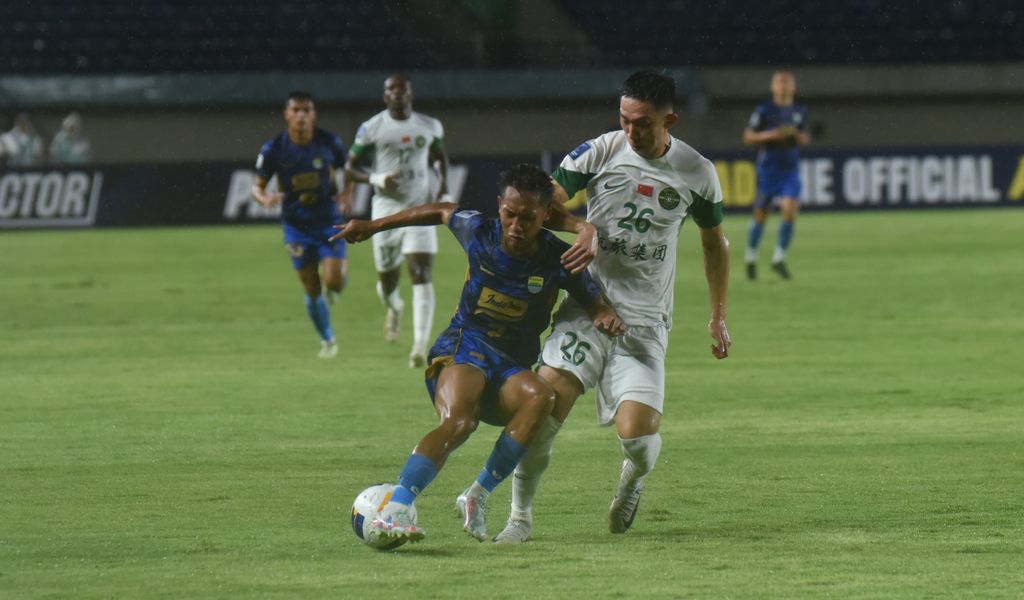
x=377, y=179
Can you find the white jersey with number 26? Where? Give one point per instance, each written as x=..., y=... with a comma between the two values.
x=638, y=206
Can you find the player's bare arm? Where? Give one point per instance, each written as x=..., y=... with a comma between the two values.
x=716, y=269
x=753, y=138
x=436, y=213
x=605, y=318
x=584, y=249
x=355, y=173
x=260, y=194
x=439, y=160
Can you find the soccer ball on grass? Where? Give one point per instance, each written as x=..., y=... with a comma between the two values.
x=366, y=508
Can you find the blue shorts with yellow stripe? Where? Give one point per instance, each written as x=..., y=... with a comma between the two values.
x=458, y=346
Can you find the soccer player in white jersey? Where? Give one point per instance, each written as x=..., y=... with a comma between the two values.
x=641, y=185
x=404, y=145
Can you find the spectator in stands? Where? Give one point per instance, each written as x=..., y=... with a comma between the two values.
x=22, y=146
x=69, y=146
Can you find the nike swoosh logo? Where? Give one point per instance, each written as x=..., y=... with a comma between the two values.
x=609, y=186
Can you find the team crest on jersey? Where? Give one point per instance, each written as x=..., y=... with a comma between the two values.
x=535, y=284
x=318, y=164
x=668, y=198
x=421, y=141
x=579, y=151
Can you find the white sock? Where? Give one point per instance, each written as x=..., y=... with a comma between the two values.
x=531, y=467
x=392, y=300
x=478, y=491
x=422, y=314
x=751, y=255
x=779, y=255
x=642, y=452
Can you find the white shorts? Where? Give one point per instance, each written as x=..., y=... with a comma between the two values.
x=389, y=247
x=630, y=367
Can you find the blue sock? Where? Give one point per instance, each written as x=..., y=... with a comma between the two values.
x=754, y=234
x=416, y=475
x=503, y=460
x=320, y=316
x=785, y=234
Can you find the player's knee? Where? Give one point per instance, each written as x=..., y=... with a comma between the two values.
x=458, y=429
x=419, y=274
x=566, y=387
x=538, y=399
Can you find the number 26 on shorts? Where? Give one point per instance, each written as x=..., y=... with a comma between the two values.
x=574, y=355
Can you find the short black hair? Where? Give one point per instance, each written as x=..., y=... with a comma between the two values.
x=650, y=86
x=299, y=96
x=528, y=178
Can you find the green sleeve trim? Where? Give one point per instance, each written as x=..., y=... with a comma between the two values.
x=705, y=214
x=359, y=149
x=571, y=181
x=437, y=145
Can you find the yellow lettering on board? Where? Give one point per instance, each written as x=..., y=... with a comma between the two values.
x=1016, y=191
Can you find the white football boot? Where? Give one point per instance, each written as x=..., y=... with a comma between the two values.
x=396, y=523
x=626, y=501
x=516, y=531
x=328, y=349
x=473, y=511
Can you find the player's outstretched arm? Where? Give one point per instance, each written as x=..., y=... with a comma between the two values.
x=716, y=269
x=436, y=213
x=584, y=249
x=753, y=138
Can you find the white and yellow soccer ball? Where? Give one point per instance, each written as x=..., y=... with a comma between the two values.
x=366, y=508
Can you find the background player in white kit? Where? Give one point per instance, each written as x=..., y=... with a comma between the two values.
x=404, y=145
x=641, y=185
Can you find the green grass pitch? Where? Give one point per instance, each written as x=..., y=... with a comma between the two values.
x=166, y=430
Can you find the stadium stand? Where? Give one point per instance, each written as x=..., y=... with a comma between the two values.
x=153, y=36
x=160, y=36
x=795, y=32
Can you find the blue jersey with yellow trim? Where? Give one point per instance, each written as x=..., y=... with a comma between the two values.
x=776, y=159
x=510, y=299
x=305, y=175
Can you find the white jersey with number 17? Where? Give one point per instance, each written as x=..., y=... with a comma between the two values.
x=638, y=206
x=401, y=146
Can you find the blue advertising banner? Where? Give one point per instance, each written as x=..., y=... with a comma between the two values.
x=881, y=178
x=218, y=193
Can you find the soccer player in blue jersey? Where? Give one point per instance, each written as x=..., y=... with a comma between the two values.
x=304, y=158
x=479, y=368
x=778, y=127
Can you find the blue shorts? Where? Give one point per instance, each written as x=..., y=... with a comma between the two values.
x=310, y=245
x=771, y=188
x=465, y=347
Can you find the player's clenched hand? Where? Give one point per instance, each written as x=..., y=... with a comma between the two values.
x=269, y=200
x=583, y=250
x=608, y=321
x=720, y=334
x=354, y=231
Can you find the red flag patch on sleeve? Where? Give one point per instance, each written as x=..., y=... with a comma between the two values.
x=645, y=190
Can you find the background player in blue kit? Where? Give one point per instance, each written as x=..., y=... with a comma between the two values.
x=479, y=367
x=778, y=127
x=304, y=158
